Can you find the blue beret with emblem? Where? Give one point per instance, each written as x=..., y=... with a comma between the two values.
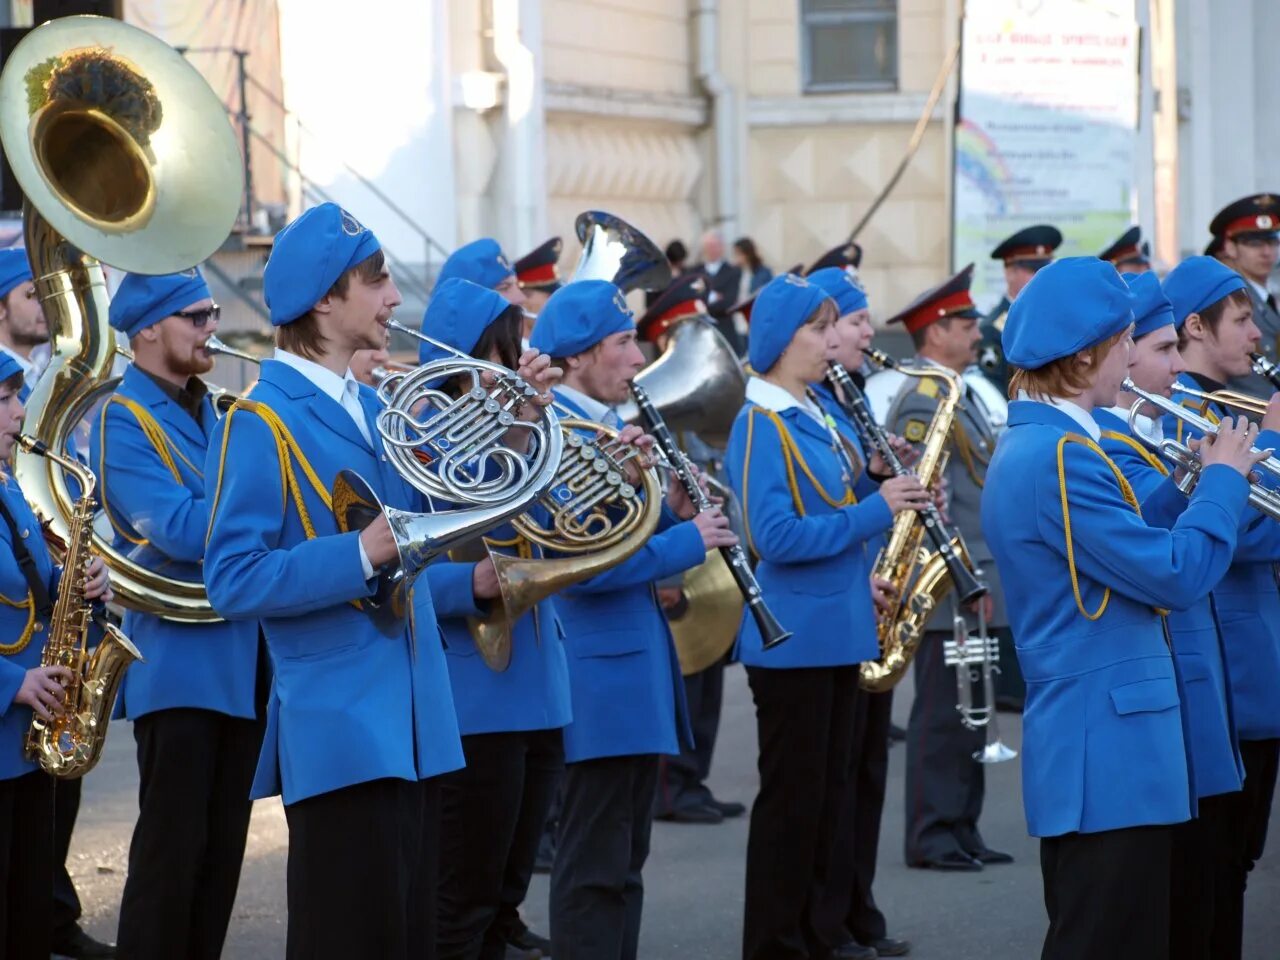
x=308, y=257
x=578, y=316
x=781, y=309
x=459, y=313
x=141, y=301
x=480, y=261
x=1068, y=306
x=842, y=287
x=1151, y=308
x=8, y=365
x=1199, y=282
x=14, y=269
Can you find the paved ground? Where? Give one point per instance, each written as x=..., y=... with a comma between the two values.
x=694, y=876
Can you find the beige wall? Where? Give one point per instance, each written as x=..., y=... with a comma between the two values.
x=625, y=44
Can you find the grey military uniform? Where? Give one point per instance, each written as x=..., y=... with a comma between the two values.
x=1267, y=318
x=945, y=787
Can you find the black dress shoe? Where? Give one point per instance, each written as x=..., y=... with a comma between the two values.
x=692, y=814
x=78, y=944
x=987, y=855
x=953, y=860
x=891, y=947
x=532, y=945
x=727, y=808
x=853, y=950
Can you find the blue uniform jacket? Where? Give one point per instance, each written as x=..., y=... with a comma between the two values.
x=1103, y=744
x=154, y=494
x=1197, y=641
x=624, y=677
x=22, y=637
x=352, y=701
x=533, y=692
x=815, y=539
x=1248, y=603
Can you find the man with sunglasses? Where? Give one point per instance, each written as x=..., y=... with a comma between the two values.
x=1249, y=231
x=196, y=699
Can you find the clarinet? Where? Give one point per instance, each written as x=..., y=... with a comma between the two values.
x=1265, y=368
x=967, y=586
x=771, y=632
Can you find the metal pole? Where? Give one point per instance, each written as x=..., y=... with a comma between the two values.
x=242, y=78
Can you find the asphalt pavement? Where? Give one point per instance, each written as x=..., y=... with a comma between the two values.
x=694, y=877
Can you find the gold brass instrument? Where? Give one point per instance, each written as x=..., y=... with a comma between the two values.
x=69, y=744
x=126, y=157
x=921, y=579
x=1245, y=403
x=1263, y=499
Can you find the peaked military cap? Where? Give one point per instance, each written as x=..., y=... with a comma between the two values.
x=948, y=299
x=1031, y=247
x=846, y=256
x=684, y=297
x=537, y=270
x=1130, y=248
x=1248, y=217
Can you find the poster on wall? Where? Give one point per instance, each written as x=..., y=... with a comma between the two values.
x=1046, y=131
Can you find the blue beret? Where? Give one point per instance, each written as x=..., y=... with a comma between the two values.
x=1151, y=308
x=309, y=256
x=459, y=312
x=8, y=365
x=1199, y=282
x=578, y=316
x=480, y=261
x=141, y=301
x=782, y=307
x=841, y=287
x=14, y=269
x=1068, y=306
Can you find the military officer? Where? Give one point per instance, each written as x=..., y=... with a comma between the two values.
x=627, y=698
x=538, y=275
x=1130, y=253
x=1250, y=232
x=944, y=784
x=196, y=699
x=22, y=323
x=1105, y=766
x=847, y=256
x=1213, y=308
x=1023, y=253
x=361, y=721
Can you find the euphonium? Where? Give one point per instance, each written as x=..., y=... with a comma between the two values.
x=920, y=579
x=125, y=155
x=69, y=744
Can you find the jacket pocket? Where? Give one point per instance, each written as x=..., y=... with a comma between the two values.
x=1192, y=666
x=1145, y=696
x=605, y=643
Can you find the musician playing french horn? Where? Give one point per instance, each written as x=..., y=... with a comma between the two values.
x=944, y=784
x=29, y=580
x=627, y=695
x=814, y=516
x=197, y=698
x=360, y=722
x=510, y=713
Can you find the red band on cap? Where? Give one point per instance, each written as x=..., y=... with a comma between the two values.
x=657, y=326
x=1037, y=252
x=1254, y=223
x=1126, y=253
x=543, y=273
x=937, y=310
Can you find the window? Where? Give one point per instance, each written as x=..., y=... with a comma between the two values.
x=849, y=44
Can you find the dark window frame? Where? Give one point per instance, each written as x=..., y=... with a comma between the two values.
x=867, y=12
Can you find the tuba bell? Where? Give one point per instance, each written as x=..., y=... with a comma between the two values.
x=126, y=157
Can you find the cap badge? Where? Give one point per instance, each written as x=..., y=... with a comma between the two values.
x=350, y=225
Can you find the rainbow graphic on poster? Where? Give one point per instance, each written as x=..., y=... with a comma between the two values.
x=979, y=164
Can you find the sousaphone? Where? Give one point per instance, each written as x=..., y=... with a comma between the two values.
x=126, y=157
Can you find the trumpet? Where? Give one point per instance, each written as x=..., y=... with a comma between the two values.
x=1262, y=499
x=1231, y=399
x=965, y=652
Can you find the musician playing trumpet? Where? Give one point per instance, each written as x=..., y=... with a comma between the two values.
x=1216, y=334
x=197, y=699
x=28, y=583
x=1088, y=579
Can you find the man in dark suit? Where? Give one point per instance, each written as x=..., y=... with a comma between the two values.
x=723, y=280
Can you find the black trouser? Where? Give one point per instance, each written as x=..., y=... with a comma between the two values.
x=682, y=779
x=870, y=775
x=1244, y=838
x=1107, y=894
x=363, y=871
x=597, y=893
x=797, y=868
x=1198, y=866
x=195, y=768
x=66, y=902
x=492, y=815
x=26, y=866
x=944, y=784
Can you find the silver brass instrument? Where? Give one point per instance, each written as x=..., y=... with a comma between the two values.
x=125, y=155
x=977, y=658
x=614, y=250
x=1266, y=501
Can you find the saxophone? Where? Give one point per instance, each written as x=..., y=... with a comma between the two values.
x=921, y=578
x=69, y=744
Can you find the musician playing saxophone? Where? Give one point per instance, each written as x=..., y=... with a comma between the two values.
x=815, y=518
x=28, y=583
